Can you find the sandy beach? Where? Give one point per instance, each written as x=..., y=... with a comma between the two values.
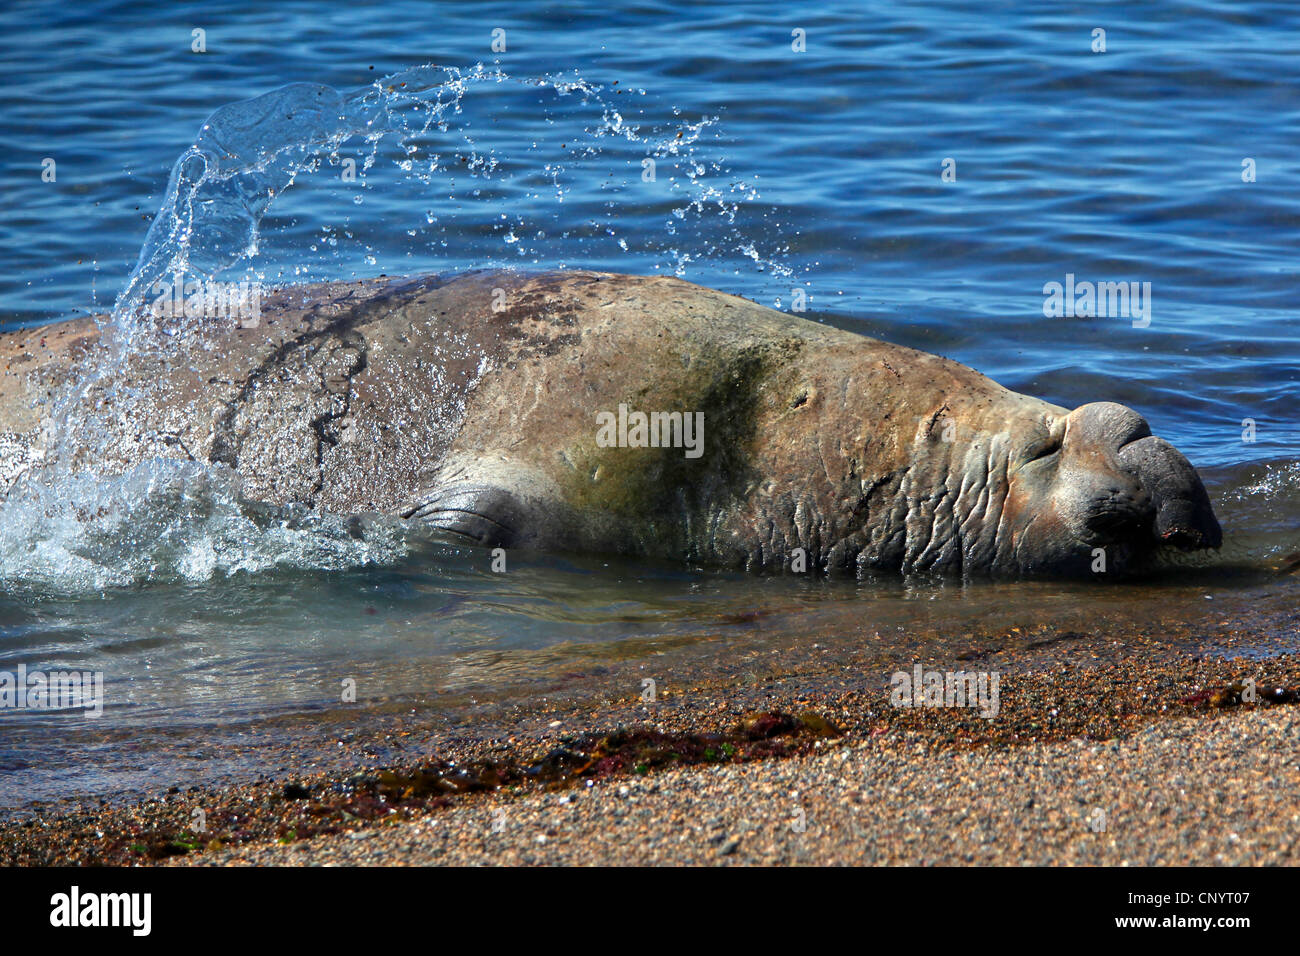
x=1155, y=758
x=1185, y=791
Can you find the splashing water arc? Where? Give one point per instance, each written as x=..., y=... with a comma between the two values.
x=168, y=520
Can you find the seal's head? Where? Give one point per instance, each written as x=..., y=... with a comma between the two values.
x=1098, y=479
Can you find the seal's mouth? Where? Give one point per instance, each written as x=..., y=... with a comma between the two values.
x=1184, y=517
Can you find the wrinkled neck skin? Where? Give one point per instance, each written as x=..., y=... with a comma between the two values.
x=973, y=484
x=997, y=483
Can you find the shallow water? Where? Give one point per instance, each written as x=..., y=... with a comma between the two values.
x=817, y=170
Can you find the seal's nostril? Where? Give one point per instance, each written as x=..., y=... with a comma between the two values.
x=1205, y=534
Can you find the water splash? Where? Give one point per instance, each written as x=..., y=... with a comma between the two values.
x=248, y=154
x=171, y=522
x=167, y=520
x=1274, y=481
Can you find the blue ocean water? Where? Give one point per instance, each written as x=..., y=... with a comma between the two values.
x=1117, y=166
x=917, y=171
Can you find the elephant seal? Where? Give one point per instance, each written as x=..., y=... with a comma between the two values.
x=592, y=412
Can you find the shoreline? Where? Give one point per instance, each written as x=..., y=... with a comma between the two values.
x=1156, y=798
x=706, y=775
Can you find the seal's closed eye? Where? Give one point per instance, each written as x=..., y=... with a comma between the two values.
x=1044, y=449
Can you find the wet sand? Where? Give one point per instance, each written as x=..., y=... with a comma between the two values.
x=1176, y=792
x=1141, y=756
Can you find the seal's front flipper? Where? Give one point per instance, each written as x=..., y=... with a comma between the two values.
x=489, y=515
x=494, y=502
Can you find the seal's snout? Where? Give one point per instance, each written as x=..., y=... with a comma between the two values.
x=1171, y=500
x=1183, y=515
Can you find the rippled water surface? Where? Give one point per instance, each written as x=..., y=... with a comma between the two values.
x=775, y=170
